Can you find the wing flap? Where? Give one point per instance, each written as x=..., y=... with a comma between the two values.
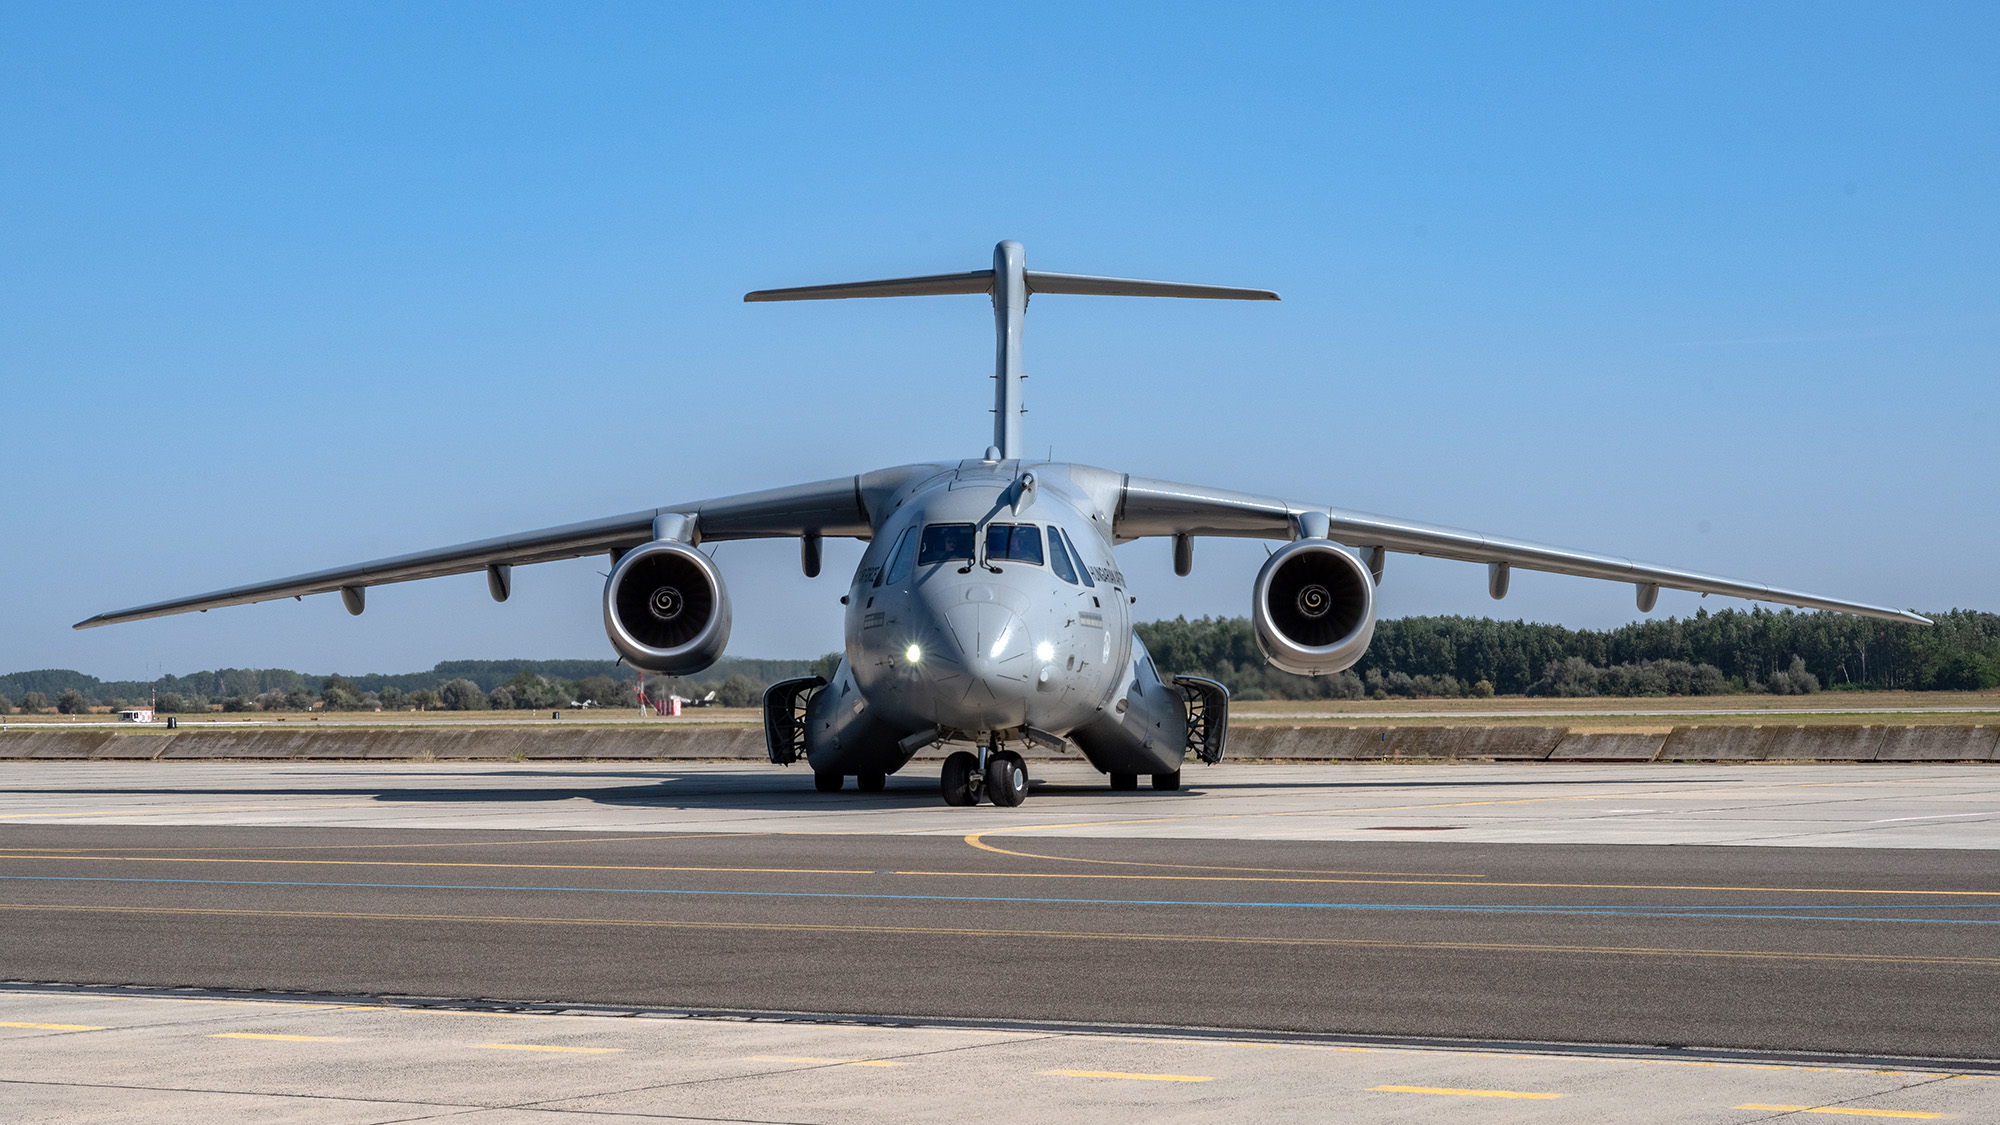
x=1155, y=507
x=831, y=507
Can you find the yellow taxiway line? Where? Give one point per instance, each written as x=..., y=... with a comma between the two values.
x=981, y=932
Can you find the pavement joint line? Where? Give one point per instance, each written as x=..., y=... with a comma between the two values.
x=279, y=1038
x=1084, y=935
x=1129, y=1075
x=552, y=1048
x=821, y=1062
x=1927, y=1068
x=1844, y=1111
x=1456, y=1092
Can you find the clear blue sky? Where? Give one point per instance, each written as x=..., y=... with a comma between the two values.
x=284, y=286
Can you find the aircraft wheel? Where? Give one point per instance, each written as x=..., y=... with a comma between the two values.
x=1167, y=780
x=956, y=781
x=1123, y=781
x=871, y=782
x=828, y=782
x=1006, y=779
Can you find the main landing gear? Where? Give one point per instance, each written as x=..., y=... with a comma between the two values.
x=1003, y=779
x=866, y=782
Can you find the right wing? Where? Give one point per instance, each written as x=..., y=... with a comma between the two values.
x=1158, y=507
x=834, y=507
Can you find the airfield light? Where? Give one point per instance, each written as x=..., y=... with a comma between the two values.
x=1045, y=651
x=913, y=654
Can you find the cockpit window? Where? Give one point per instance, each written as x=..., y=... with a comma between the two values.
x=944, y=542
x=1082, y=567
x=1059, y=558
x=1016, y=542
x=899, y=559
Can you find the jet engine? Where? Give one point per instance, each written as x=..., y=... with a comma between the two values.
x=665, y=609
x=1313, y=608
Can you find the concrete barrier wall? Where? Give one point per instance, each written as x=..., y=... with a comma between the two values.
x=1246, y=743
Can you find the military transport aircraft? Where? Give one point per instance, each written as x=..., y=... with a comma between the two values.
x=988, y=609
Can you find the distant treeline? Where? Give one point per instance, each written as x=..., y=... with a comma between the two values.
x=528, y=683
x=1707, y=654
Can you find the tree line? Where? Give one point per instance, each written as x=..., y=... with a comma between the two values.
x=457, y=685
x=1759, y=650
x=1784, y=652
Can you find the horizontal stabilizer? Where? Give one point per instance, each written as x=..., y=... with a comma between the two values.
x=1039, y=282
x=981, y=281
x=978, y=281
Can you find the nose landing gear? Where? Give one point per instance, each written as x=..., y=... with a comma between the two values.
x=960, y=780
x=1006, y=779
x=1003, y=779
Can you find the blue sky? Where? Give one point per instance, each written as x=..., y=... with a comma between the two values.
x=284, y=286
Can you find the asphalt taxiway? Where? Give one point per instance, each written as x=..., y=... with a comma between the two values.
x=1850, y=910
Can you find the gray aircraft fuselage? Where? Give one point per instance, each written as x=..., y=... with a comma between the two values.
x=988, y=606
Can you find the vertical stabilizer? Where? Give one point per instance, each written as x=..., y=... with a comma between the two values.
x=1010, y=283
x=1010, y=307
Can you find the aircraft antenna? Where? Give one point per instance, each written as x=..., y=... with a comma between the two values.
x=1010, y=282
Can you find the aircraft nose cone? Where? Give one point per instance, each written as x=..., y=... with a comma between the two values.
x=1000, y=670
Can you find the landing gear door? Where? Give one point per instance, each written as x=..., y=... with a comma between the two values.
x=785, y=717
x=1207, y=715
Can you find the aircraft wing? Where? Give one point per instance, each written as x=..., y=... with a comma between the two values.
x=1156, y=507
x=832, y=507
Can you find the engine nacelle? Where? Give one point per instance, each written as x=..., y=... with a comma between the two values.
x=666, y=610
x=1313, y=608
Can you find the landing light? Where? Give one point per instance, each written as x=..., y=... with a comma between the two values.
x=1045, y=651
x=913, y=654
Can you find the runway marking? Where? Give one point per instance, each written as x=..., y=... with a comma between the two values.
x=16, y=854
x=176, y=809
x=53, y=1026
x=548, y=1047
x=278, y=1038
x=976, y=932
x=1667, y=910
x=453, y=863
x=821, y=1062
x=1441, y=881
x=1844, y=1112
x=975, y=841
x=1130, y=1076
x=1461, y=1093
x=59, y=852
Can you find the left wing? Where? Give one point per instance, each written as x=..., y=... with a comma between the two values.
x=1157, y=507
x=833, y=507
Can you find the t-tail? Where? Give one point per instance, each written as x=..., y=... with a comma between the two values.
x=1011, y=283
